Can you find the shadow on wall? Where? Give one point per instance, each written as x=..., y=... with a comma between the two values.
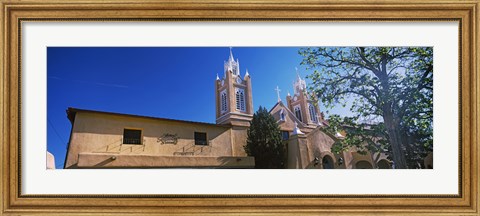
x=97, y=123
x=235, y=162
x=105, y=162
x=117, y=146
x=192, y=149
x=363, y=165
x=383, y=164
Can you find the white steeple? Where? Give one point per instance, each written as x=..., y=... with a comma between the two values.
x=218, y=78
x=238, y=68
x=232, y=65
x=299, y=85
x=233, y=97
x=231, y=59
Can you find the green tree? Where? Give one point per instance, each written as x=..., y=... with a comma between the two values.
x=264, y=141
x=391, y=85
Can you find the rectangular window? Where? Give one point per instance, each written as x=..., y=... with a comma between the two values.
x=131, y=136
x=313, y=114
x=298, y=113
x=285, y=135
x=223, y=101
x=282, y=115
x=200, y=138
x=240, y=99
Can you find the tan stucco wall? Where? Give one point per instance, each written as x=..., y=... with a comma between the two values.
x=303, y=101
x=106, y=160
x=290, y=119
x=298, y=152
x=347, y=160
x=321, y=142
x=289, y=123
x=428, y=161
x=293, y=154
x=98, y=132
x=233, y=116
x=239, y=140
x=357, y=157
x=377, y=157
x=50, y=161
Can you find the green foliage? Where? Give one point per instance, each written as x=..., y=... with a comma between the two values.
x=264, y=141
x=364, y=137
x=392, y=86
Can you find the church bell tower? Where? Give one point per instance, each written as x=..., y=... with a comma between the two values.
x=303, y=104
x=233, y=95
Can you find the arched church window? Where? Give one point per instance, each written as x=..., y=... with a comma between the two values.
x=327, y=162
x=313, y=114
x=298, y=113
x=240, y=99
x=282, y=115
x=363, y=165
x=223, y=101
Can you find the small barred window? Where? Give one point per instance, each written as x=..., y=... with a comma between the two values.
x=240, y=99
x=223, y=101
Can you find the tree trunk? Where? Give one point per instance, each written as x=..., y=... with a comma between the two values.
x=391, y=122
x=395, y=139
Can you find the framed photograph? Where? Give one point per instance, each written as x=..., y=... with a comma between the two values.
x=227, y=107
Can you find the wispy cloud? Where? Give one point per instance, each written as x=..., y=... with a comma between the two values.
x=55, y=77
x=91, y=83
x=111, y=85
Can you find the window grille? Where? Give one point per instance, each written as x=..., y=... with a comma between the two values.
x=240, y=99
x=223, y=100
x=282, y=115
x=132, y=136
x=313, y=114
x=200, y=138
x=298, y=113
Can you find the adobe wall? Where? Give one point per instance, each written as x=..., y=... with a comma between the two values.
x=98, y=132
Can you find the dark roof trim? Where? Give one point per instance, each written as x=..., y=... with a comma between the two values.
x=71, y=112
x=280, y=103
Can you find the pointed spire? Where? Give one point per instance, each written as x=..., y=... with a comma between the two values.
x=218, y=77
x=232, y=65
x=231, y=59
x=246, y=74
x=298, y=74
x=288, y=94
x=299, y=85
x=238, y=67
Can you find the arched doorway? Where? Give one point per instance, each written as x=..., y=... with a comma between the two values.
x=363, y=165
x=327, y=162
x=383, y=164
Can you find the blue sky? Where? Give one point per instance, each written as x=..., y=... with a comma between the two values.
x=168, y=82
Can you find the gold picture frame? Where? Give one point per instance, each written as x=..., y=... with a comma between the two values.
x=14, y=12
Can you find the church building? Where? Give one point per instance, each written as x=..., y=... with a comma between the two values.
x=102, y=139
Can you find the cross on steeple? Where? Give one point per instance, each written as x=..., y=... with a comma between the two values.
x=232, y=65
x=278, y=93
x=298, y=75
x=299, y=85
